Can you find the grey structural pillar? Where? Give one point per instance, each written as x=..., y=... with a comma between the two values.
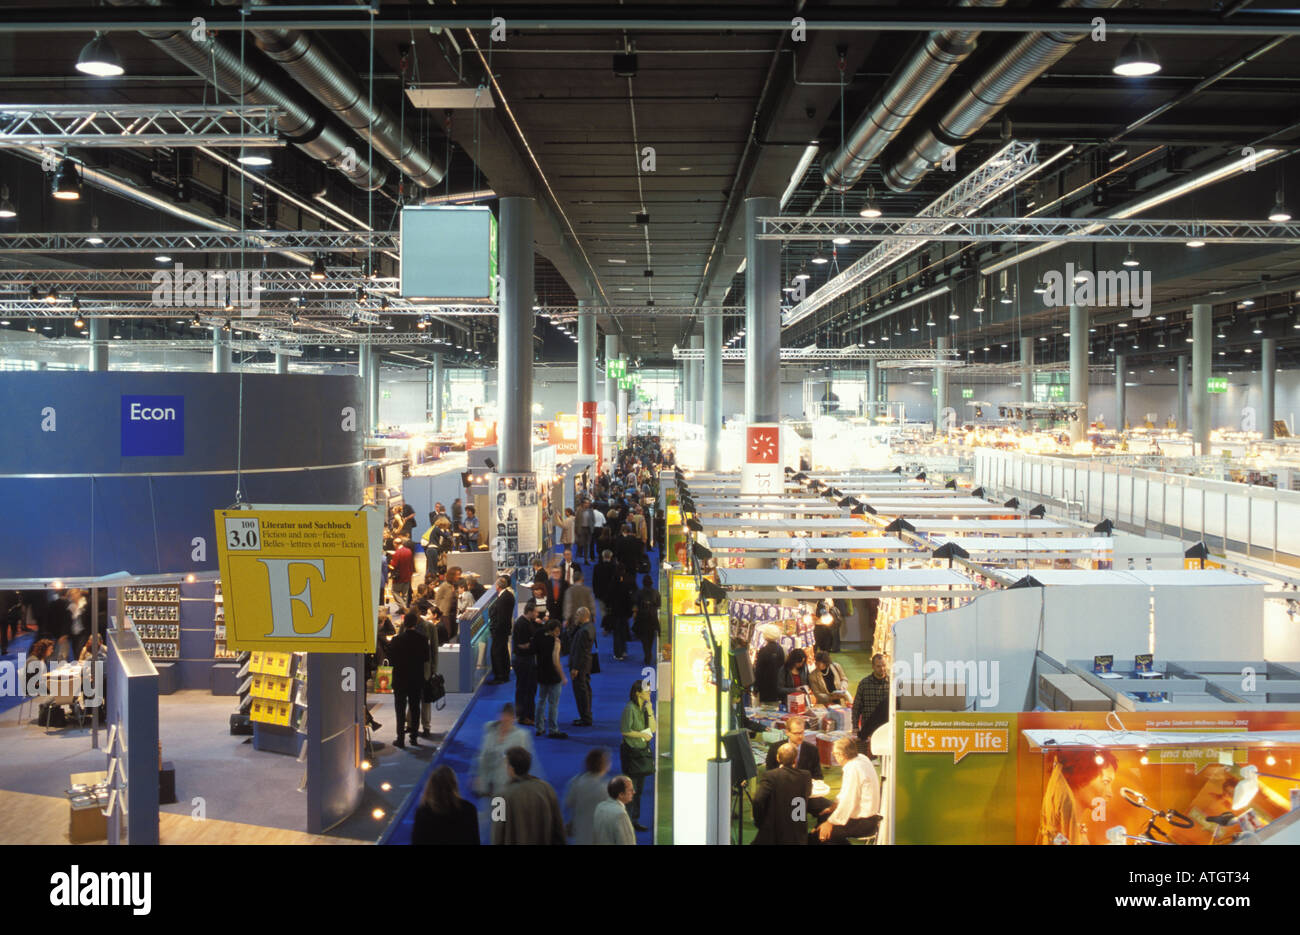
x=372, y=390
x=98, y=345
x=1202, y=341
x=873, y=386
x=1181, y=415
x=586, y=377
x=1026, y=376
x=1119, y=392
x=220, y=350
x=515, y=324
x=1267, y=376
x=624, y=430
x=712, y=392
x=941, y=384
x=436, y=391
x=611, y=397
x=1079, y=369
x=696, y=370
x=762, y=315
x=281, y=362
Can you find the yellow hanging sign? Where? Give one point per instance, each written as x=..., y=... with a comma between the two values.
x=300, y=580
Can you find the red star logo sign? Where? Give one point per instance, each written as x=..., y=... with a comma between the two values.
x=761, y=444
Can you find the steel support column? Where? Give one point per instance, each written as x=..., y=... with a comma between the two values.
x=515, y=338
x=1079, y=370
x=713, y=393
x=1181, y=417
x=941, y=386
x=220, y=350
x=1202, y=341
x=436, y=393
x=1026, y=375
x=1267, y=379
x=611, y=397
x=99, y=345
x=586, y=378
x=1119, y=392
x=762, y=316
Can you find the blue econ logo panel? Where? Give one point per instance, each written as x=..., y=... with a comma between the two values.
x=153, y=425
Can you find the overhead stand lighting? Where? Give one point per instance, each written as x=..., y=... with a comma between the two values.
x=318, y=268
x=1195, y=243
x=1005, y=298
x=94, y=239
x=99, y=59
x=841, y=241
x=1137, y=60
x=952, y=312
x=1279, y=212
x=871, y=209
x=6, y=206
x=803, y=272
x=819, y=258
x=66, y=185
x=1130, y=259
x=255, y=159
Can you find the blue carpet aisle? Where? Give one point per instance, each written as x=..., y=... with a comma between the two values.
x=557, y=761
x=19, y=644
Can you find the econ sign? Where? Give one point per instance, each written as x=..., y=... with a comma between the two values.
x=300, y=580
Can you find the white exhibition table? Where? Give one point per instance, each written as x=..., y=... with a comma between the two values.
x=841, y=578
x=814, y=543
x=816, y=524
x=1001, y=527
x=1022, y=546
x=1072, y=577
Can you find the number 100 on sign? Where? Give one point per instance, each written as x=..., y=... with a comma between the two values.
x=243, y=535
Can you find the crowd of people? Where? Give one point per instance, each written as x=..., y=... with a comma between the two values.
x=547, y=639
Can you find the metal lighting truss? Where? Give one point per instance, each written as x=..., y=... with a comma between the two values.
x=1031, y=230
x=914, y=357
x=142, y=280
x=201, y=345
x=1015, y=368
x=571, y=312
x=138, y=125
x=1008, y=166
x=203, y=241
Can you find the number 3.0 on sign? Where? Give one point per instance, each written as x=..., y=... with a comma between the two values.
x=243, y=535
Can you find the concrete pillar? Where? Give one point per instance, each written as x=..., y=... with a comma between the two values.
x=1026, y=376
x=696, y=370
x=515, y=338
x=1120, y=373
x=98, y=344
x=1181, y=415
x=1202, y=342
x=437, y=376
x=1079, y=370
x=586, y=378
x=873, y=386
x=372, y=389
x=611, y=397
x=281, y=363
x=712, y=392
x=220, y=351
x=1267, y=379
x=762, y=316
x=624, y=430
x=941, y=384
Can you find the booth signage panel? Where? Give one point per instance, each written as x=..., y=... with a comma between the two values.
x=589, y=435
x=299, y=580
x=695, y=722
x=761, y=472
x=448, y=253
x=153, y=425
x=514, y=511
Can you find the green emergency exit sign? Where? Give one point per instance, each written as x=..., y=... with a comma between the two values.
x=967, y=394
x=1216, y=384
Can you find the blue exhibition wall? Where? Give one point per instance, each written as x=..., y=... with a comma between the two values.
x=110, y=472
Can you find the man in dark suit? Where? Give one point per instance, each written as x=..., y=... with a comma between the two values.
x=807, y=758
x=556, y=587
x=407, y=654
x=781, y=804
x=521, y=639
x=500, y=617
x=629, y=550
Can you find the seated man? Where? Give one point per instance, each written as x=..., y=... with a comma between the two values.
x=857, y=813
x=807, y=758
x=781, y=803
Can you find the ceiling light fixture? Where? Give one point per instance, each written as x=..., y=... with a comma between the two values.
x=255, y=159
x=1130, y=259
x=1279, y=212
x=871, y=209
x=6, y=206
x=66, y=185
x=99, y=59
x=841, y=241
x=1194, y=243
x=803, y=273
x=1137, y=60
x=820, y=258
x=318, y=268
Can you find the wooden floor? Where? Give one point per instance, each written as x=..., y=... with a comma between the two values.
x=43, y=819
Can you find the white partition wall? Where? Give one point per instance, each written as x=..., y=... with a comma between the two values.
x=1260, y=521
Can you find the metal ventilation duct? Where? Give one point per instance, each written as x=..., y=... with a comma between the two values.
x=1028, y=58
x=334, y=83
x=311, y=132
x=922, y=73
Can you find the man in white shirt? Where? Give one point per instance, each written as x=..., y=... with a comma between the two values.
x=857, y=811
